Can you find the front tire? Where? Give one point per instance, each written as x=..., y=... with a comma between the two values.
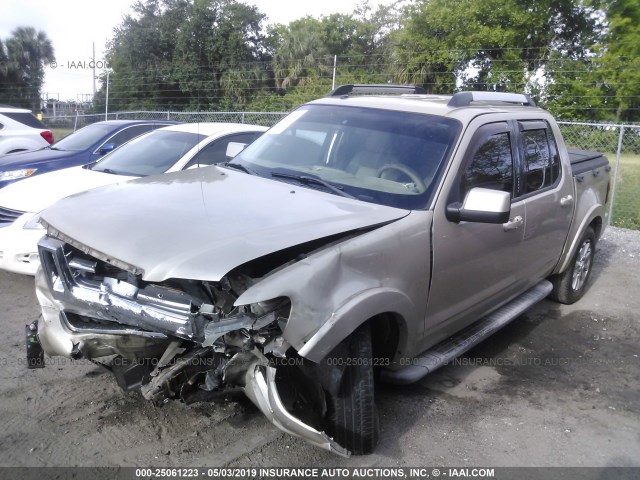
x=352, y=418
x=569, y=286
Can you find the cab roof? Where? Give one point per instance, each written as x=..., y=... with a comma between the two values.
x=462, y=106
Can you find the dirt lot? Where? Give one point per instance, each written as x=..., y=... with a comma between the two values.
x=559, y=386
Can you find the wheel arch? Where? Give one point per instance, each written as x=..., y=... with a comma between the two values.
x=598, y=226
x=388, y=311
x=594, y=220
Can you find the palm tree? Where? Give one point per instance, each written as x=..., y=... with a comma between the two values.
x=298, y=55
x=28, y=52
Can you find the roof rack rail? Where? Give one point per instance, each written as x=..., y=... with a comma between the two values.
x=464, y=99
x=375, y=89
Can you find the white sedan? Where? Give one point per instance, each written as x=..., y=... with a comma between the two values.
x=167, y=149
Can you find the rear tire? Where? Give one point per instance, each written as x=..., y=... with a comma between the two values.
x=352, y=418
x=569, y=286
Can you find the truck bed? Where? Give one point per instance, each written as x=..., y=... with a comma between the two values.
x=583, y=160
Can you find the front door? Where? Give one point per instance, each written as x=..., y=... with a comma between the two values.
x=474, y=264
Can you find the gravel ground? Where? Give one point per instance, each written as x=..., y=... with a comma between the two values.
x=560, y=386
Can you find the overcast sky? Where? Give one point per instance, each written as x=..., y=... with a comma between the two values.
x=73, y=25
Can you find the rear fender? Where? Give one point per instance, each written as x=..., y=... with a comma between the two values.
x=596, y=211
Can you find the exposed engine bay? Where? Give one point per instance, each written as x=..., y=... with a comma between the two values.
x=183, y=339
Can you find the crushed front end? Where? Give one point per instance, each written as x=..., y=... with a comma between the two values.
x=177, y=339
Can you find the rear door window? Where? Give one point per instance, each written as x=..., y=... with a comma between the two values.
x=83, y=138
x=25, y=118
x=216, y=151
x=129, y=133
x=540, y=161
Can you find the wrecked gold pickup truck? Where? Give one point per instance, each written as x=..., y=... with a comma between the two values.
x=363, y=238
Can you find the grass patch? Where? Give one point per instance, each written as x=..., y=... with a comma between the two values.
x=60, y=133
x=626, y=202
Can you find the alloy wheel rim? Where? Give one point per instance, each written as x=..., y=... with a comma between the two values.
x=581, y=268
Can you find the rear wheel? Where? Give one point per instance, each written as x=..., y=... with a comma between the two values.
x=569, y=286
x=352, y=418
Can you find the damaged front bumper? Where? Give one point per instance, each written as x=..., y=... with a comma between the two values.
x=261, y=389
x=90, y=312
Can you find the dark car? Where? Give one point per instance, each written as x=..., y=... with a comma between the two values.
x=84, y=146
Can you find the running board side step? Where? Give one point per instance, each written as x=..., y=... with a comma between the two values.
x=454, y=346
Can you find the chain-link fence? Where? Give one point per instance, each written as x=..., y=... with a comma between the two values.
x=621, y=144
x=69, y=124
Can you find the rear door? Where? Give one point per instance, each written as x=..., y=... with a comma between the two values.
x=548, y=197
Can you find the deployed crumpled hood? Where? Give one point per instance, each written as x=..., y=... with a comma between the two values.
x=201, y=223
x=37, y=193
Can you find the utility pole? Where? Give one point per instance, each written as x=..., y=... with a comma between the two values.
x=94, y=70
x=335, y=63
x=106, y=104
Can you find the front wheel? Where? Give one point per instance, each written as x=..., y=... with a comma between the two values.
x=569, y=286
x=352, y=418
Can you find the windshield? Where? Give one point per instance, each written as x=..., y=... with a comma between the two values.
x=150, y=154
x=379, y=156
x=84, y=138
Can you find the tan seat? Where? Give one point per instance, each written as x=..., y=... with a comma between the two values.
x=373, y=155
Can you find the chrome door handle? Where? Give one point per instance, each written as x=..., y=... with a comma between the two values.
x=566, y=201
x=513, y=223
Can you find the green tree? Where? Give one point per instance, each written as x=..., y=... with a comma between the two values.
x=446, y=45
x=620, y=60
x=217, y=38
x=360, y=42
x=22, y=67
x=141, y=55
x=605, y=84
x=303, y=51
x=576, y=90
x=299, y=52
x=185, y=54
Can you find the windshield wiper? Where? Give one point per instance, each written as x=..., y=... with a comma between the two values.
x=108, y=170
x=308, y=180
x=238, y=166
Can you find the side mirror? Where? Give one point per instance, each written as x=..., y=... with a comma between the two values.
x=481, y=205
x=234, y=148
x=106, y=148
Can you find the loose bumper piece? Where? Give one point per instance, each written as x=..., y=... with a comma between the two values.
x=260, y=387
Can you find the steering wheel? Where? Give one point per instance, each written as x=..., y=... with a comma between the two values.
x=413, y=176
